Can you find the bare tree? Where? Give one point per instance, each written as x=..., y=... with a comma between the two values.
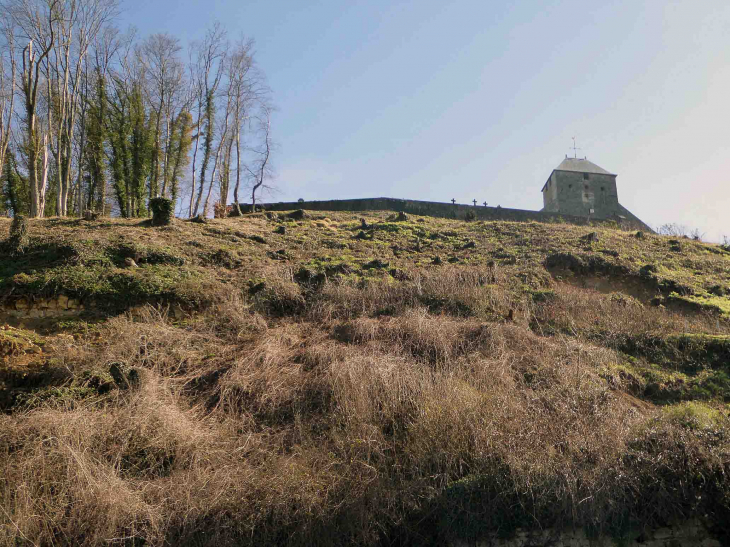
x=77, y=24
x=259, y=170
x=246, y=88
x=97, y=109
x=697, y=235
x=207, y=66
x=7, y=92
x=220, y=148
x=242, y=84
x=33, y=22
x=165, y=74
x=673, y=229
x=93, y=100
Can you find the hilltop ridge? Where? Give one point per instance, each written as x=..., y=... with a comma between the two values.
x=479, y=211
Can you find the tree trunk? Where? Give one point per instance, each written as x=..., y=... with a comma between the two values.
x=155, y=178
x=212, y=179
x=195, y=154
x=238, y=172
x=168, y=142
x=44, y=178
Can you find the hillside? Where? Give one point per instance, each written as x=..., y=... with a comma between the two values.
x=329, y=378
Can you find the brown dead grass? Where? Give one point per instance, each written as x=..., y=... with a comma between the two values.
x=414, y=408
x=337, y=432
x=463, y=292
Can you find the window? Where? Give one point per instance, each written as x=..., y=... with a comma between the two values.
x=586, y=187
x=570, y=185
x=585, y=176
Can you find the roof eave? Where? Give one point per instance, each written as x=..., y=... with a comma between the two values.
x=548, y=180
x=589, y=172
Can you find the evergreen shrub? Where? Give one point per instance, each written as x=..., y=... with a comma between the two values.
x=18, y=240
x=162, y=211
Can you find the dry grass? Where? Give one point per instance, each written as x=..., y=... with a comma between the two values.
x=462, y=292
x=411, y=408
x=292, y=433
x=575, y=311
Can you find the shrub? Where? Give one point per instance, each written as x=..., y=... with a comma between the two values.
x=163, y=211
x=18, y=240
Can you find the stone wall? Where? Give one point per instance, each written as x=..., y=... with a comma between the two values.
x=444, y=210
x=689, y=534
x=41, y=307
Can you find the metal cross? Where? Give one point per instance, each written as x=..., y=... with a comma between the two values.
x=485, y=204
x=574, y=149
x=474, y=202
x=453, y=201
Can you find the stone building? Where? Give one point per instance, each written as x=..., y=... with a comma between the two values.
x=580, y=188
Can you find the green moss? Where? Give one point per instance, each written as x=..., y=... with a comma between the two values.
x=15, y=342
x=54, y=396
x=541, y=295
x=695, y=416
x=717, y=304
x=685, y=352
x=664, y=386
x=114, y=288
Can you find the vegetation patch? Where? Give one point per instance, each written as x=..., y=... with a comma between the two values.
x=682, y=352
x=15, y=342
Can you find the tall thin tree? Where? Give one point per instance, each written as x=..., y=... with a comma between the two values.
x=208, y=70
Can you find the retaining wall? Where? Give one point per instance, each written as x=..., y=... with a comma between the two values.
x=448, y=210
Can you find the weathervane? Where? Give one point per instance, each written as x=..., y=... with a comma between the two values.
x=575, y=150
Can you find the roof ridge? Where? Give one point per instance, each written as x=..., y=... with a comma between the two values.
x=581, y=165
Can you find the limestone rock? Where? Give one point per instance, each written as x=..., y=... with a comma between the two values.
x=590, y=238
x=375, y=264
x=299, y=214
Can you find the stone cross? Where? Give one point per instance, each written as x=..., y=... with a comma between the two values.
x=485, y=204
x=474, y=202
x=453, y=201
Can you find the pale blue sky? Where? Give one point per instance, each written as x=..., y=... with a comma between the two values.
x=479, y=99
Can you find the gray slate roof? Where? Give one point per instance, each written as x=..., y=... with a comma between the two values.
x=581, y=166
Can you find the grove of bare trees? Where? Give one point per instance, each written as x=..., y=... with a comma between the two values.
x=94, y=118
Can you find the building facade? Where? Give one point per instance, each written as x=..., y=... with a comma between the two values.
x=581, y=188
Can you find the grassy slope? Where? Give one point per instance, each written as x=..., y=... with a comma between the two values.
x=327, y=382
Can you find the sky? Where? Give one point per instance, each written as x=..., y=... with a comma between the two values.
x=480, y=99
